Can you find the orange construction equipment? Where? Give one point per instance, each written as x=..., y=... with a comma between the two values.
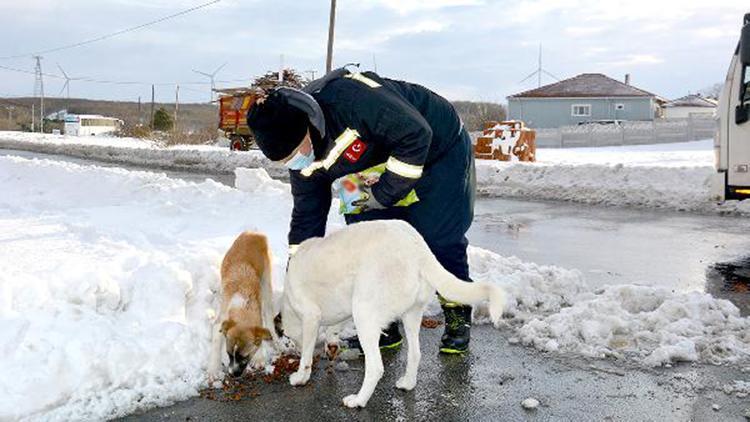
x=233, y=106
x=502, y=140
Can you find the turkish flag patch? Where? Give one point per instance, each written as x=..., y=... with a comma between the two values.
x=355, y=150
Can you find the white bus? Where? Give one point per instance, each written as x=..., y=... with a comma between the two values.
x=732, y=144
x=90, y=124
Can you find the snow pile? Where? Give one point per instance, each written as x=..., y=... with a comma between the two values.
x=106, y=284
x=739, y=388
x=258, y=180
x=553, y=310
x=108, y=281
x=204, y=158
x=671, y=176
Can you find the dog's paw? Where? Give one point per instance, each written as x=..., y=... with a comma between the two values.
x=259, y=360
x=353, y=401
x=405, y=383
x=299, y=378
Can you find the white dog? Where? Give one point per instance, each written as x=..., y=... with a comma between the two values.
x=373, y=272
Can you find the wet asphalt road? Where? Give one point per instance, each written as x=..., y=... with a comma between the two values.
x=609, y=246
x=681, y=251
x=486, y=385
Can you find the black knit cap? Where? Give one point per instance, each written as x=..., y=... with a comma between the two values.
x=278, y=126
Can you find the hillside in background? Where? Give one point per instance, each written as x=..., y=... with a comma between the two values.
x=476, y=114
x=191, y=116
x=15, y=113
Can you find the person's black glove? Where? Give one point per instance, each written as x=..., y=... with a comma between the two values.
x=367, y=201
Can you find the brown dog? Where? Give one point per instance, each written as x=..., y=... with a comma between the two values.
x=246, y=303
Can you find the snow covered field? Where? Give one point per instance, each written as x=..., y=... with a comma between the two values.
x=668, y=176
x=203, y=158
x=107, y=281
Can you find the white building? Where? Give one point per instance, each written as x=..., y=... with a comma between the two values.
x=90, y=124
x=682, y=108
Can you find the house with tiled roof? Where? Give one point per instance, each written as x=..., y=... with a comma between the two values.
x=693, y=104
x=586, y=97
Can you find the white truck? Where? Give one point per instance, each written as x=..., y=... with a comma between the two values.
x=732, y=142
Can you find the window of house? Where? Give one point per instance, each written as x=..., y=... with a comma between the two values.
x=581, y=110
x=619, y=107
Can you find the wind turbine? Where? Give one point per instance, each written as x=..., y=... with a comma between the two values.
x=211, y=76
x=66, y=85
x=539, y=71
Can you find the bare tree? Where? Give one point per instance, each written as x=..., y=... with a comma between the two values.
x=712, y=91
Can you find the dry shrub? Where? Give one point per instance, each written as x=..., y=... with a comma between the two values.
x=200, y=136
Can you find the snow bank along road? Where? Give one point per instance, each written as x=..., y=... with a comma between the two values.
x=107, y=281
x=669, y=176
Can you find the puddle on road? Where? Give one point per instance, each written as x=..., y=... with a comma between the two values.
x=731, y=281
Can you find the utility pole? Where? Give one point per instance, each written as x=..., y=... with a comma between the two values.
x=331, y=24
x=10, y=116
x=140, y=115
x=281, y=69
x=33, y=112
x=39, y=90
x=312, y=74
x=176, y=106
x=374, y=64
x=151, y=122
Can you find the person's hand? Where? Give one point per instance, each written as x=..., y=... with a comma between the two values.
x=367, y=201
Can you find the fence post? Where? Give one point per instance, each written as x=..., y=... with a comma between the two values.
x=562, y=139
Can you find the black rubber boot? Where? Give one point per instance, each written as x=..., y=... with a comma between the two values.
x=457, y=329
x=389, y=339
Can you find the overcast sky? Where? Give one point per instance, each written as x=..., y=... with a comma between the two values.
x=463, y=49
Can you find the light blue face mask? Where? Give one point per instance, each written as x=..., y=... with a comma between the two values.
x=300, y=161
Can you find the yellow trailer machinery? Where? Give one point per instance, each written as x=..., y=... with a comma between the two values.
x=233, y=106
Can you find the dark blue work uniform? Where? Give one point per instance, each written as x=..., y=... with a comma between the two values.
x=372, y=120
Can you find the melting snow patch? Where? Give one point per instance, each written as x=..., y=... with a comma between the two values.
x=530, y=403
x=553, y=310
x=740, y=389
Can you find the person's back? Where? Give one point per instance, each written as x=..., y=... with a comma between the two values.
x=436, y=110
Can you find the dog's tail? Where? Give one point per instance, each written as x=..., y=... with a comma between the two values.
x=456, y=290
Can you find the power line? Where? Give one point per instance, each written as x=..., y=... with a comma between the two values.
x=113, y=34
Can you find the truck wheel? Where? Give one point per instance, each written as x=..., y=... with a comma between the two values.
x=236, y=143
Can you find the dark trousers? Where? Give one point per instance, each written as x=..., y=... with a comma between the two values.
x=445, y=209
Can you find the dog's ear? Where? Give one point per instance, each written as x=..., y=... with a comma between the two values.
x=260, y=334
x=227, y=325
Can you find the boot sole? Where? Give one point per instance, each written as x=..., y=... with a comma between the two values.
x=449, y=351
x=394, y=346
